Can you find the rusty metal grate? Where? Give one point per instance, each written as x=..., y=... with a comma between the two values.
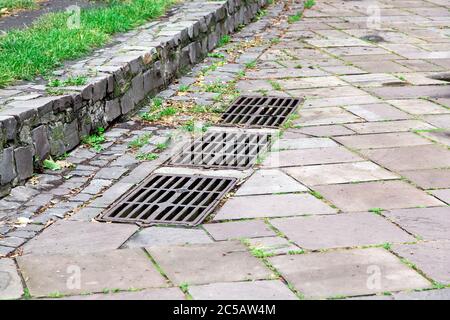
x=254, y=111
x=170, y=199
x=223, y=149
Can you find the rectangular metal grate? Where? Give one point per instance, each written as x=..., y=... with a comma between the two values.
x=238, y=150
x=254, y=111
x=170, y=199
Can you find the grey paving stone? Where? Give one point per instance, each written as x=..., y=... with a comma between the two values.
x=441, y=294
x=290, y=158
x=377, y=112
x=340, y=173
x=418, y=106
x=89, y=272
x=443, y=195
x=96, y=185
x=439, y=121
x=382, y=140
x=225, y=261
x=428, y=223
x=347, y=273
x=272, y=206
x=380, y=194
x=12, y=242
x=328, y=115
x=107, y=173
x=389, y=126
x=273, y=245
x=86, y=214
x=411, y=158
x=4, y=251
x=238, y=229
x=248, y=290
x=303, y=143
x=342, y=230
x=111, y=195
x=79, y=237
x=162, y=236
x=268, y=182
x=148, y=294
x=10, y=282
x=326, y=130
x=433, y=258
x=429, y=179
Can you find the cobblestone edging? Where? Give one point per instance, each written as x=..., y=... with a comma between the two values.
x=34, y=124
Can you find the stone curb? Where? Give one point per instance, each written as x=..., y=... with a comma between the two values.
x=35, y=125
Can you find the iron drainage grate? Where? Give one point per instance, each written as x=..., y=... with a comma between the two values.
x=254, y=111
x=170, y=199
x=223, y=149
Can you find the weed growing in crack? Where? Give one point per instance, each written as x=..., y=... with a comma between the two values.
x=140, y=141
x=95, y=140
x=309, y=4
x=149, y=156
x=295, y=18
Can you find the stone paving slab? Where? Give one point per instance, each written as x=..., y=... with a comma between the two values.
x=326, y=131
x=428, y=223
x=429, y=179
x=10, y=282
x=79, y=237
x=389, y=126
x=291, y=158
x=148, y=294
x=272, y=206
x=384, y=194
x=411, y=157
x=347, y=273
x=441, y=294
x=117, y=269
x=248, y=290
x=328, y=115
x=342, y=230
x=162, y=236
x=443, y=195
x=433, y=258
x=439, y=121
x=303, y=143
x=238, y=230
x=418, y=106
x=340, y=173
x=226, y=261
x=377, y=112
x=269, y=182
x=382, y=140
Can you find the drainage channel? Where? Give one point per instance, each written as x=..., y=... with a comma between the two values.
x=180, y=199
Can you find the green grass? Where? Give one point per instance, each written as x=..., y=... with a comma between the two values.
x=295, y=18
x=27, y=53
x=17, y=4
x=140, y=141
x=224, y=40
x=309, y=4
x=147, y=156
x=95, y=140
x=71, y=81
x=51, y=165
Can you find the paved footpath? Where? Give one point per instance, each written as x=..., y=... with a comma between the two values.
x=352, y=203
